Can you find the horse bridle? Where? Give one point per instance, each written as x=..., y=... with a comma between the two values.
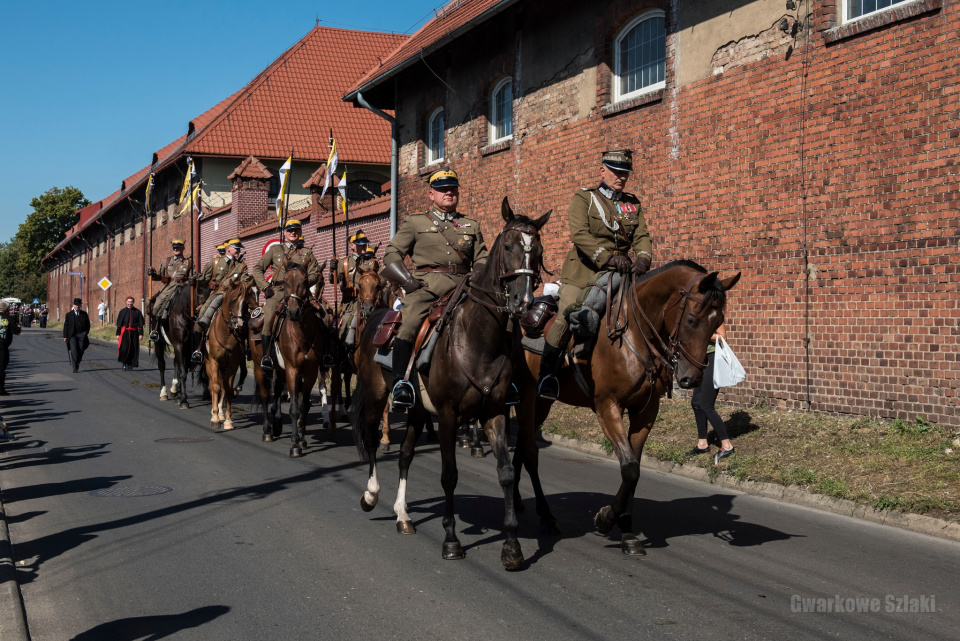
x=503, y=275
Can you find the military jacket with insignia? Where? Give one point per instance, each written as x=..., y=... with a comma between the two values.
x=344, y=272
x=599, y=227
x=212, y=272
x=177, y=268
x=228, y=269
x=419, y=237
x=275, y=258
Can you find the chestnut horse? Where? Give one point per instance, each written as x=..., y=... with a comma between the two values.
x=225, y=348
x=658, y=329
x=469, y=376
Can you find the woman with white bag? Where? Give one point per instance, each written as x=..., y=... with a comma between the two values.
x=704, y=398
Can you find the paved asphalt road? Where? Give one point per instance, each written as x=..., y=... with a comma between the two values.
x=250, y=544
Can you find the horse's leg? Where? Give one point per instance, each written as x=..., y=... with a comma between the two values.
x=640, y=425
x=476, y=448
x=324, y=407
x=276, y=408
x=371, y=404
x=530, y=414
x=511, y=555
x=226, y=401
x=620, y=512
x=243, y=378
x=213, y=374
x=385, y=431
x=159, y=349
x=345, y=394
x=415, y=423
x=447, y=433
x=179, y=365
x=296, y=432
x=309, y=380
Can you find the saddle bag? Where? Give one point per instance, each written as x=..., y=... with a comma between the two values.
x=388, y=328
x=541, y=311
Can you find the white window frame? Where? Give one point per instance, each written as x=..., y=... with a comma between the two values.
x=846, y=10
x=432, y=143
x=507, y=121
x=617, y=71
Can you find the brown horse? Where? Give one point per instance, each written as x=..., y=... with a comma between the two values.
x=225, y=349
x=469, y=376
x=299, y=352
x=658, y=330
x=177, y=332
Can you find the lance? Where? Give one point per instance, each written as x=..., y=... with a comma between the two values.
x=333, y=237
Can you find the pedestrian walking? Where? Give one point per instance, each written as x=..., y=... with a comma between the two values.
x=76, y=327
x=129, y=332
x=102, y=311
x=703, y=401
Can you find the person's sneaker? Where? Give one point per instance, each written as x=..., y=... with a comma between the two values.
x=723, y=454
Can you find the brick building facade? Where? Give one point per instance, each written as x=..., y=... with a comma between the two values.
x=815, y=154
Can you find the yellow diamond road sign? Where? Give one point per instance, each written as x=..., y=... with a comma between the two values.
x=105, y=284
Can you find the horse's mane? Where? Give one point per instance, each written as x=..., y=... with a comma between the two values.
x=714, y=295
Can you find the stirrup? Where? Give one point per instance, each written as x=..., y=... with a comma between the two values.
x=197, y=357
x=266, y=363
x=549, y=387
x=154, y=336
x=403, y=395
x=513, y=396
x=327, y=361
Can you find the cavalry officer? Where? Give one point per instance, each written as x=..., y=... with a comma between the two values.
x=344, y=272
x=213, y=266
x=275, y=257
x=173, y=271
x=444, y=245
x=230, y=266
x=605, y=223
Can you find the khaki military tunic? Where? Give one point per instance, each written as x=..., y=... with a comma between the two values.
x=600, y=226
x=344, y=272
x=178, y=270
x=225, y=269
x=213, y=270
x=419, y=237
x=275, y=258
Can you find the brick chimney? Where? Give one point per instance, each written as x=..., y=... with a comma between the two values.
x=251, y=186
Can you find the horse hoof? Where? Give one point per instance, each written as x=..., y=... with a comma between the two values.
x=214, y=424
x=367, y=505
x=295, y=452
x=164, y=397
x=406, y=527
x=632, y=547
x=511, y=557
x=549, y=527
x=452, y=551
x=267, y=438
x=384, y=448
x=477, y=452
x=303, y=445
x=227, y=425
x=464, y=442
x=184, y=405
x=604, y=520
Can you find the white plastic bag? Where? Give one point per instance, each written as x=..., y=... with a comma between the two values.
x=727, y=370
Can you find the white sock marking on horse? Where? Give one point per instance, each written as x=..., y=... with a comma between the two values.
x=400, y=506
x=372, y=493
x=163, y=393
x=174, y=386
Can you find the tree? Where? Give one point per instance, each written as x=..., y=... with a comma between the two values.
x=54, y=213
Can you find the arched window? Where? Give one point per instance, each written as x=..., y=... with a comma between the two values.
x=435, y=136
x=640, y=56
x=501, y=117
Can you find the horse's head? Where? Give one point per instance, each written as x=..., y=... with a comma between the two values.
x=517, y=257
x=296, y=291
x=368, y=286
x=236, y=301
x=692, y=316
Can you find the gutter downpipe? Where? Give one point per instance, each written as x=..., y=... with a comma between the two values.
x=394, y=157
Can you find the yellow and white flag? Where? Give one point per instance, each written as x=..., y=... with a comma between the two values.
x=343, y=193
x=284, y=186
x=187, y=181
x=147, y=194
x=185, y=206
x=331, y=167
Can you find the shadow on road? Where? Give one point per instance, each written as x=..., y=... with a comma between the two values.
x=42, y=490
x=152, y=628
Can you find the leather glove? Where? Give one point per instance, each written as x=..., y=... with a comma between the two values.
x=268, y=291
x=641, y=265
x=618, y=264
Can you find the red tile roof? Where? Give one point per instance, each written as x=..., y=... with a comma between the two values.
x=457, y=17
x=250, y=168
x=295, y=102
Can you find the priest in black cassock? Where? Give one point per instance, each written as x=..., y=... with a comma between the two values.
x=129, y=333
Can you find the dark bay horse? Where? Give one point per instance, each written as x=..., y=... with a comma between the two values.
x=225, y=348
x=469, y=376
x=177, y=332
x=657, y=330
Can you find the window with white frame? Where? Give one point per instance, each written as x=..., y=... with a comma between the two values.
x=640, y=56
x=435, y=136
x=854, y=9
x=501, y=118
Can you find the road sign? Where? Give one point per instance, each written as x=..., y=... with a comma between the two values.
x=105, y=284
x=36, y=301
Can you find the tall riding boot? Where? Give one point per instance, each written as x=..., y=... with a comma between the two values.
x=548, y=386
x=266, y=363
x=403, y=393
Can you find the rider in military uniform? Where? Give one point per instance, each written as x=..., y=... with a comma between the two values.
x=210, y=269
x=173, y=271
x=344, y=272
x=605, y=223
x=229, y=266
x=444, y=245
x=275, y=257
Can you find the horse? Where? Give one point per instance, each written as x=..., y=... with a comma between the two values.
x=176, y=332
x=299, y=351
x=476, y=333
x=668, y=316
x=225, y=349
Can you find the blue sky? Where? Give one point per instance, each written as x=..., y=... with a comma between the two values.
x=92, y=89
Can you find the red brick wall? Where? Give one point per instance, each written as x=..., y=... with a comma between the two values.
x=843, y=149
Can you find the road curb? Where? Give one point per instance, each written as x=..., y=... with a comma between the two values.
x=790, y=494
x=13, y=622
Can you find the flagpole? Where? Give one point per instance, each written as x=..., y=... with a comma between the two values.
x=333, y=235
x=346, y=206
x=193, y=238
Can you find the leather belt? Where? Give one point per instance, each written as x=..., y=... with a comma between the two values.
x=617, y=252
x=449, y=268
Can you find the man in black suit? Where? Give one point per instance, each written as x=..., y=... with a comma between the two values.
x=76, y=326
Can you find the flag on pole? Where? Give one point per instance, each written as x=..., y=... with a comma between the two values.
x=331, y=167
x=343, y=192
x=185, y=206
x=187, y=181
x=284, y=186
x=147, y=194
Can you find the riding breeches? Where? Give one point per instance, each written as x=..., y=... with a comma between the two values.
x=416, y=306
x=269, y=307
x=348, y=317
x=162, y=299
x=559, y=332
